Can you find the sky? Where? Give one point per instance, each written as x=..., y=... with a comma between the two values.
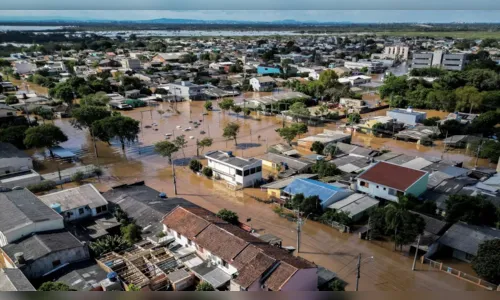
x=383, y=16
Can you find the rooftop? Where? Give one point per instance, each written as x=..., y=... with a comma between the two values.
x=281, y=184
x=8, y=151
x=391, y=175
x=229, y=159
x=85, y=195
x=309, y=187
x=12, y=280
x=408, y=111
x=467, y=238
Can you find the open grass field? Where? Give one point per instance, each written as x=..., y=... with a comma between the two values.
x=442, y=34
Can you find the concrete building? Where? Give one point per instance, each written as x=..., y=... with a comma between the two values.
x=407, y=116
x=168, y=57
x=262, y=84
x=131, y=63
x=372, y=66
x=7, y=111
x=357, y=206
x=186, y=90
x=22, y=214
x=13, y=280
x=389, y=181
x=439, y=59
x=396, y=52
x=267, y=70
x=24, y=67
x=355, y=80
x=13, y=160
x=41, y=253
x=327, y=137
x=77, y=203
x=234, y=170
x=275, y=188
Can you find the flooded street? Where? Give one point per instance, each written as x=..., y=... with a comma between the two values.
x=386, y=271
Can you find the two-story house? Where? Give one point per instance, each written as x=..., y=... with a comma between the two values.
x=389, y=181
x=236, y=171
x=262, y=84
x=77, y=203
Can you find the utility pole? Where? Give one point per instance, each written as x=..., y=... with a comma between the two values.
x=477, y=154
x=173, y=173
x=444, y=147
x=358, y=275
x=416, y=254
x=299, y=229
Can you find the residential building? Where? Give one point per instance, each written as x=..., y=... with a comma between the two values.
x=13, y=280
x=396, y=52
x=275, y=188
x=407, y=116
x=327, y=137
x=357, y=206
x=23, y=67
x=440, y=59
x=230, y=258
x=77, y=203
x=372, y=66
x=267, y=70
x=285, y=163
x=355, y=80
x=40, y=253
x=22, y=213
x=463, y=118
x=464, y=239
x=186, y=90
x=8, y=86
x=262, y=84
x=389, y=181
x=327, y=193
x=6, y=111
x=131, y=63
x=342, y=71
x=13, y=160
x=294, y=57
x=168, y=57
x=236, y=171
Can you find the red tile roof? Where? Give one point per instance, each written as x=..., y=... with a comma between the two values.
x=220, y=242
x=280, y=276
x=245, y=256
x=254, y=270
x=185, y=222
x=391, y=175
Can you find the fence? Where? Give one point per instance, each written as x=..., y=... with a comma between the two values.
x=341, y=227
x=459, y=274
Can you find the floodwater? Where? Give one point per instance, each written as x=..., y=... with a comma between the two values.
x=386, y=271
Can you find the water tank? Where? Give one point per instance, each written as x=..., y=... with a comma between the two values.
x=56, y=207
x=20, y=258
x=230, y=153
x=162, y=195
x=112, y=276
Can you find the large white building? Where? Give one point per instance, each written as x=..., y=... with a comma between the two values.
x=439, y=59
x=400, y=52
x=236, y=171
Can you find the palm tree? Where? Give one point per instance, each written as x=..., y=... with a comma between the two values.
x=395, y=215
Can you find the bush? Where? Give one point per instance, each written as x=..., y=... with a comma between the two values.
x=78, y=177
x=195, y=165
x=54, y=286
x=204, y=287
x=317, y=147
x=228, y=216
x=43, y=186
x=98, y=171
x=107, y=244
x=207, y=171
x=160, y=234
x=11, y=99
x=487, y=261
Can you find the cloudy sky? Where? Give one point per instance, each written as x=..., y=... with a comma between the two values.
x=129, y=11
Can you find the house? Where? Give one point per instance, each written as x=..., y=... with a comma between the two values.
x=8, y=86
x=275, y=188
x=460, y=141
x=13, y=160
x=407, y=116
x=356, y=206
x=22, y=68
x=434, y=228
x=464, y=239
x=145, y=205
x=327, y=137
x=285, y=163
x=22, y=213
x=234, y=170
x=77, y=203
x=389, y=181
x=355, y=80
x=262, y=84
x=341, y=71
x=81, y=276
x=168, y=57
x=230, y=258
x=327, y=193
x=186, y=90
x=131, y=63
x=7, y=111
x=463, y=118
x=267, y=70
x=40, y=253
x=13, y=280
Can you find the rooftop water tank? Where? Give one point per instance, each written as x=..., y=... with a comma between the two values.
x=56, y=207
x=162, y=195
x=230, y=153
x=112, y=276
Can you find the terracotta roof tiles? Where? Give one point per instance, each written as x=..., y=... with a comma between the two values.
x=391, y=175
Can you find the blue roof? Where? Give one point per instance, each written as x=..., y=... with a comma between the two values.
x=309, y=187
x=61, y=152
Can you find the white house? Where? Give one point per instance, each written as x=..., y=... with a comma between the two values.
x=355, y=80
x=13, y=160
x=77, y=203
x=7, y=111
x=22, y=213
x=262, y=84
x=389, y=181
x=236, y=171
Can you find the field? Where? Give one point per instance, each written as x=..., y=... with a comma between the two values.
x=442, y=34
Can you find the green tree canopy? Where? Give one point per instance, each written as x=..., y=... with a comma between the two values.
x=50, y=286
x=204, y=286
x=226, y=104
x=325, y=169
x=166, y=149
x=317, y=147
x=44, y=136
x=228, y=216
x=125, y=129
x=474, y=210
x=85, y=116
x=97, y=99
x=201, y=144
x=487, y=261
x=231, y=131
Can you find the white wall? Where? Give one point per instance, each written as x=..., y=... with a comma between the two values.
x=372, y=190
x=15, y=164
x=228, y=172
x=18, y=233
x=75, y=214
x=302, y=280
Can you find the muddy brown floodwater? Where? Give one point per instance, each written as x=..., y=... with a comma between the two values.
x=386, y=271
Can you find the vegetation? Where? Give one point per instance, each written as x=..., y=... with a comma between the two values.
x=124, y=128
x=133, y=288
x=325, y=169
x=195, y=165
x=226, y=104
x=208, y=105
x=107, y=244
x=288, y=133
x=231, y=131
x=44, y=113
x=228, y=216
x=43, y=186
x=201, y=144
x=317, y=147
x=44, y=136
x=86, y=115
x=432, y=121
x=131, y=233
x=51, y=286
x=487, y=261
x=181, y=143
x=207, y=171
x=97, y=99
x=78, y=177
x=204, y=286
x=475, y=210
x=14, y=135
x=354, y=118
x=299, y=109
x=166, y=149
x=335, y=285
x=308, y=206
x=11, y=99
x=332, y=215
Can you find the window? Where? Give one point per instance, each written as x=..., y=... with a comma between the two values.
x=239, y=172
x=81, y=211
x=247, y=172
x=224, y=264
x=385, y=189
x=252, y=171
x=101, y=209
x=392, y=192
x=258, y=169
x=363, y=183
x=56, y=263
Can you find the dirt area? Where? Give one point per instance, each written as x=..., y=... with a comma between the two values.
x=30, y=87
x=387, y=271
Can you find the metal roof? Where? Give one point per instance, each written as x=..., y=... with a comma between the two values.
x=309, y=187
x=227, y=158
x=467, y=238
x=281, y=184
x=8, y=150
x=354, y=204
x=85, y=195
x=12, y=280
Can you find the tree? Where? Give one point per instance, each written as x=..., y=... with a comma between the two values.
x=237, y=109
x=207, y=171
x=405, y=225
x=107, y=244
x=432, y=121
x=228, y=216
x=332, y=215
x=11, y=99
x=299, y=109
x=44, y=136
x=487, y=261
x=14, y=135
x=204, y=286
x=50, y=286
x=181, y=143
x=329, y=79
x=310, y=205
x=393, y=86
x=208, y=105
x=451, y=127
x=325, y=169
x=335, y=285
x=195, y=165
x=485, y=123
x=85, y=116
x=300, y=128
x=166, y=149
x=44, y=113
x=354, y=118
x=247, y=111
x=490, y=149
x=475, y=210
x=317, y=147
x=97, y=99
x=226, y=104
x=123, y=128
x=201, y=144
x=231, y=131
x=468, y=98
x=63, y=91
x=288, y=133
x=133, y=288
x=131, y=233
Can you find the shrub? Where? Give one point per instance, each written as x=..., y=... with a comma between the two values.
x=317, y=147
x=11, y=99
x=195, y=165
x=207, y=171
x=54, y=286
x=228, y=216
x=43, y=186
x=78, y=177
x=160, y=234
x=107, y=244
x=98, y=171
x=204, y=287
